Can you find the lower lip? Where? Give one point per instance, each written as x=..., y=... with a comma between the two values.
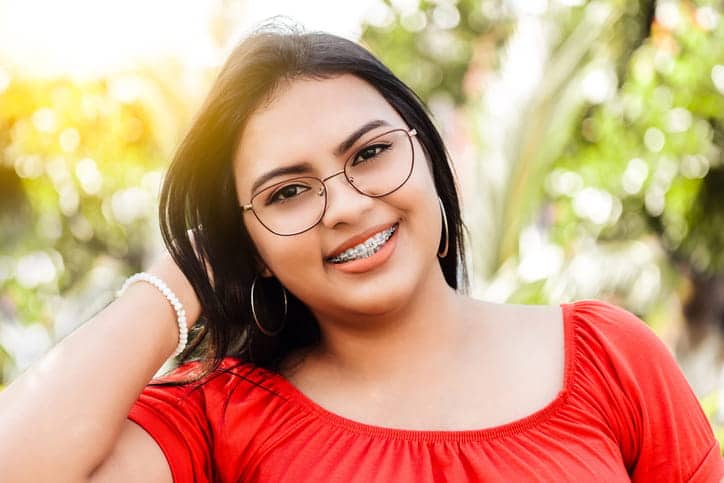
x=372, y=262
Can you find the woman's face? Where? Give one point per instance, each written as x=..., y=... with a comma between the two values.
x=302, y=127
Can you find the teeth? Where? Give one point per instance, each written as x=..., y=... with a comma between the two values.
x=367, y=248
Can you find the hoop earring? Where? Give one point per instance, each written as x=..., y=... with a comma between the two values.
x=270, y=333
x=443, y=252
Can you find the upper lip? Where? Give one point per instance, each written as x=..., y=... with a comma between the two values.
x=357, y=239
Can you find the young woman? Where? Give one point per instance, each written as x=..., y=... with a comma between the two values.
x=315, y=252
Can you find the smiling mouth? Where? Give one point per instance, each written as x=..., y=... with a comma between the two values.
x=367, y=248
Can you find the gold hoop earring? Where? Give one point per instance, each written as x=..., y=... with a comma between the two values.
x=265, y=331
x=443, y=252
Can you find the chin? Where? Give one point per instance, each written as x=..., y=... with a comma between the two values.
x=378, y=301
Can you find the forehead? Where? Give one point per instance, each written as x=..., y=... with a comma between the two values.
x=307, y=119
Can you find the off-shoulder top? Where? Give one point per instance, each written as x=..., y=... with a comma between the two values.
x=625, y=413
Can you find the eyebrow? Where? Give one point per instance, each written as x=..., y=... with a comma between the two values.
x=302, y=168
x=352, y=138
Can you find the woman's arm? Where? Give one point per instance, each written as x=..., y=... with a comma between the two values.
x=66, y=415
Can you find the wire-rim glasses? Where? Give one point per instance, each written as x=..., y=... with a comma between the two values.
x=380, y=167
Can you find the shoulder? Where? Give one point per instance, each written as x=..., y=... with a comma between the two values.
x=236, y=392
x=594, y=344
x=199, y=382
x=635, y=376
x=211, y=421
x=523, y=343
x=590, y=329
x=658, y=421
x=608, y=330
x=605, y=315
x=535, y=333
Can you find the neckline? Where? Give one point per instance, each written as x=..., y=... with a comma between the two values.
x=290, y=391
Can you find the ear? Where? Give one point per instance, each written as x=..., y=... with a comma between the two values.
x=262, y=268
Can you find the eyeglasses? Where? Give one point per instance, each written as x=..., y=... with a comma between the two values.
x=296, y=205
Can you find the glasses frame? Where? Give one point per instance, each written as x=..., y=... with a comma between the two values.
x=323, y=192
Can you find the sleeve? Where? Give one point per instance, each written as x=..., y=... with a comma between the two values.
x=663, y=433
x=175, y=417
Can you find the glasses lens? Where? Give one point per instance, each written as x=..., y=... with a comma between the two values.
x=291, y=206
x=382, y=165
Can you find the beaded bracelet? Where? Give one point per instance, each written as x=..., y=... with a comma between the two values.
x=172, y=298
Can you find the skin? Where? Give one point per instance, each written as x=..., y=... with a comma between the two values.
x=395, y=335
x=400, y=348
x=310, y=131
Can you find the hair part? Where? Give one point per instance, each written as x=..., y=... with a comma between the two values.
x=201, y=221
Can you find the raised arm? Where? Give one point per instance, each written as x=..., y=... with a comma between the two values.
x=64, y=419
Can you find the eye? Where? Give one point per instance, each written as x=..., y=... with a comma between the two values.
x=369, y=152
x=286, y=193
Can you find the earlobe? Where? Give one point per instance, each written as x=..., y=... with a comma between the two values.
x=262, y=269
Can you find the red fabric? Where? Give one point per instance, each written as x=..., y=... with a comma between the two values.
x=625, y=412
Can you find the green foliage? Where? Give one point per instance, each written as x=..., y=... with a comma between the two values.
x=77, y=167
x=614, y=162
x=667, y=117
x=432, y=46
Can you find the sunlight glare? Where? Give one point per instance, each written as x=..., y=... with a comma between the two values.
x=85, y=38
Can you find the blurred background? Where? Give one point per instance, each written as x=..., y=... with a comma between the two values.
x=586, y=135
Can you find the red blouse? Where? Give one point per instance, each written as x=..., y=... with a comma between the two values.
x=625, y=412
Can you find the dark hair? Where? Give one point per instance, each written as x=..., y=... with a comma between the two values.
x=199, y=202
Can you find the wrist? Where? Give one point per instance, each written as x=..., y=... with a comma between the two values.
x=180, y=312
x=167, y=270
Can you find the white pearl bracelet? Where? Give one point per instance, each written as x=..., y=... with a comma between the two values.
x=183, y=330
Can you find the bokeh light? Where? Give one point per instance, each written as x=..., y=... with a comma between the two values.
x=586, y=137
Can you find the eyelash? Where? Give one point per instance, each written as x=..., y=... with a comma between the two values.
x=384, y=147
x=272, y=199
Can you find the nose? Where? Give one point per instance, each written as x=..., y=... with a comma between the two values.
x=344, y=203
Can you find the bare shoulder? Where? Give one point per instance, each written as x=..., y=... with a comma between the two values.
x=535, y=330
x=541, y=323
x=527, y=344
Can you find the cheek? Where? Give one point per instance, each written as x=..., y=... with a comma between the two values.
x=423, y=169
x=421, y=182
x=264, y=242
x=288, y=258
x=426, y=205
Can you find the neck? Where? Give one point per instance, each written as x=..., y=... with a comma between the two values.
x=425, y=330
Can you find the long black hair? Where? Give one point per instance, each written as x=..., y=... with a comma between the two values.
x=201, y=222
